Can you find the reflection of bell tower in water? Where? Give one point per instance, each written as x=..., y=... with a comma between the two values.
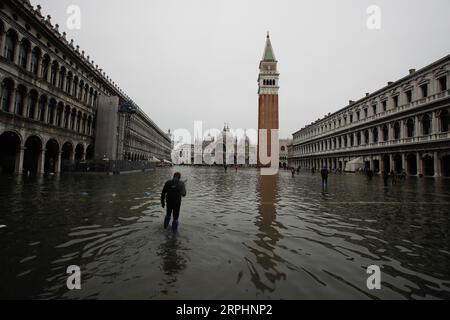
x=268, y=95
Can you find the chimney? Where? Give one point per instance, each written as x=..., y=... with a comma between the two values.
x=367, y=94
x=389, y=83
x=351, y=102
x=412, y=71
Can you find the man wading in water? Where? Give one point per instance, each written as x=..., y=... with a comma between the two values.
x=171, y=195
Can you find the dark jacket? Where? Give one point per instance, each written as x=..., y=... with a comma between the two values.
x=172, y=192
x=324, y=173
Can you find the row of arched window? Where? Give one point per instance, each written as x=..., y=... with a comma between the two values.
x=439, y=84
x=381, y=134
x=33, y=60
x=269, y=82
x=40, y=107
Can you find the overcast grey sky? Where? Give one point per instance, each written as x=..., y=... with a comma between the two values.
x=189, y=60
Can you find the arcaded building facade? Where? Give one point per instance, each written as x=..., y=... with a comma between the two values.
x=50, y=95
x=403, y=127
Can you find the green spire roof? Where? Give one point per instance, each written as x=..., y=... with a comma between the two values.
x=269, y=56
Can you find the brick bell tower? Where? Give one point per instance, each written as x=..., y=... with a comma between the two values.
x=268, y=95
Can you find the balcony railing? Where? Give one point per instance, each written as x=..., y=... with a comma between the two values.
x=400, y=109
x=383, y=144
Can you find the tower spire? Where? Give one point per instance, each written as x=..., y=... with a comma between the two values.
x=268, y=55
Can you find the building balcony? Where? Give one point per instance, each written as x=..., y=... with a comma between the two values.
x=444, y=136
x=385, y=114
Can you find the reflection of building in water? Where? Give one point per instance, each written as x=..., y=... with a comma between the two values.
x=267, y=236
x=173, y=263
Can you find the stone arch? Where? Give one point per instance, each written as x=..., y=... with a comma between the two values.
x=67, y=154
x=32, y=107
x=411, y=160
x=19, y=107
x=10, y=144
x=54, y=73
x=32, y=154
x=24, y=49
x=386, y=163
x=52, y=111
x=69, y=81
x=428, y=165
x=73, y=117
x=60, y=114
x=75, y=86
x=51, y=156
x=66, y=117
x=42, y=106
x=398, y=163
x=385, y=133
x=444, y=118
x=90, y=152
x=10, y=45
x=426, y=124
x=86, y=93
x=79, y=152
x=7, y=94
x=45, y=66
x=80, y=89
x=410, y=128
x=62, y=76
x=445, y=164
x=84, y=122
x=36, y=54
x=397, y=130
x=79, y=117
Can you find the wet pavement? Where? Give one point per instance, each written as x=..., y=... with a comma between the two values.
x=241, y=236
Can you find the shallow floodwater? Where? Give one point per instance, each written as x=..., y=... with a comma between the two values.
x=241, y=236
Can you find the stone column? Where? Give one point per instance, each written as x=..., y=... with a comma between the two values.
x=381, y=164
x=29, y=55
x=16, y=52
x=437, y=165
x=39, y=70
x=45, y=113
x=416, y=127
x=391, y=162
x=2, y=44
x=380, y=134
x=391, y=131
x=25, y=106
x=58, y=163
x=372, y=165
x=434, y=128
x=419, y=164
x=12, y=102
x=404, y=163
x=19, y=160
x=57, y=78
x=49, y=72
x=41, y=162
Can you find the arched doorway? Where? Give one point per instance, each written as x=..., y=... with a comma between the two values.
x=411, y=159
x=9, y=148
x=386, y=163
x=398, y=164
x=51, y=156
x=66, y=156
x=428, y=166
x=33, y=151
x=79, y=152
x=445, y=160
x=90, y=152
